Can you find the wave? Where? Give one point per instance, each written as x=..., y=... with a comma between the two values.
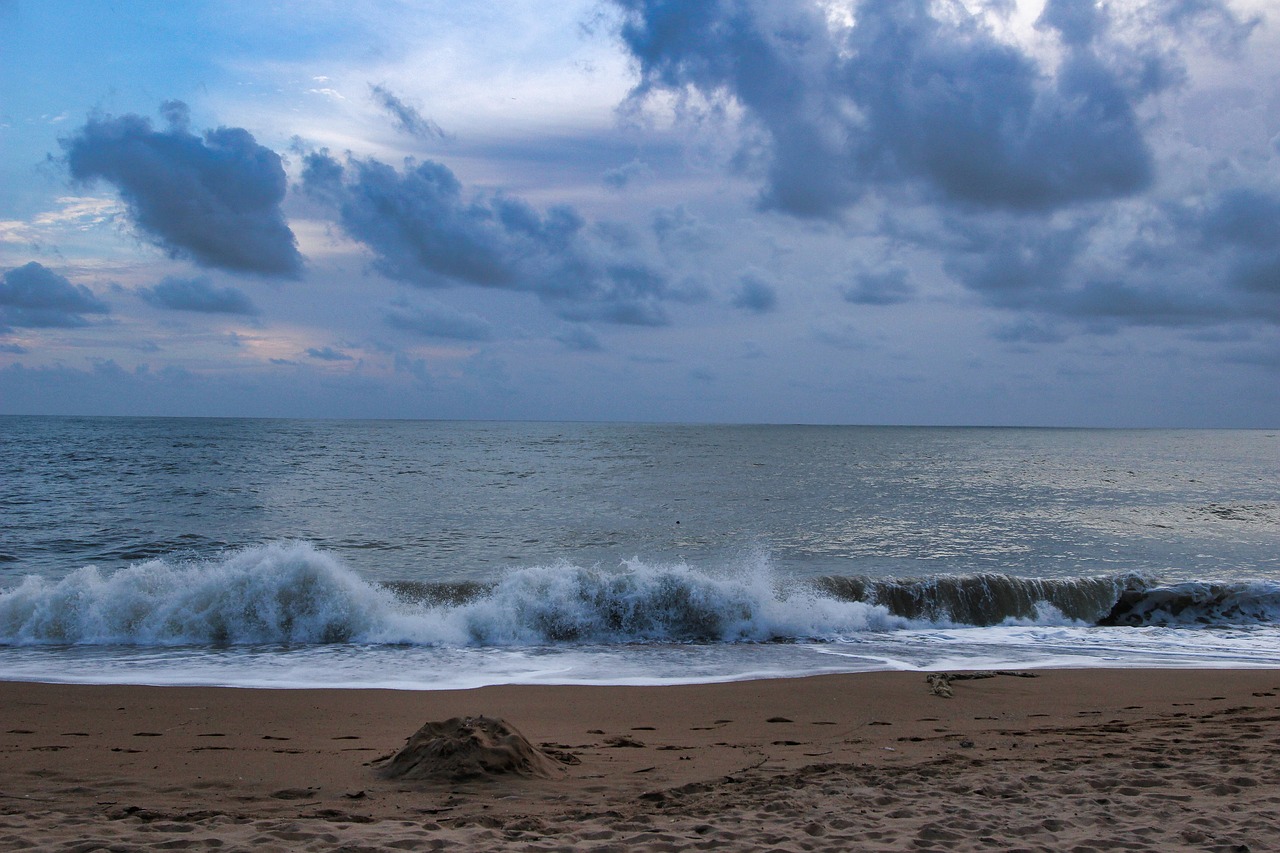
x=292, y=593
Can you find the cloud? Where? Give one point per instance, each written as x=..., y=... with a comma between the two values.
x=1245, y=225
x=214, y=199
x=917, y=97
x=422, y=230
x=679, y=230
x=754, y=294
x=580, y=339
x=407, y=119
x=1017, y=264
x=887, y=287
x=438, y=321
x=328, y=354
x=1029, y=331
x=35, y=296
x=197, y=294
x=1210, y=259
x=622, y=176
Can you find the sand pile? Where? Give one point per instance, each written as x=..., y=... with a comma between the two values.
x=466, y=748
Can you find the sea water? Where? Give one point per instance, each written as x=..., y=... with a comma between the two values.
x=419, y=554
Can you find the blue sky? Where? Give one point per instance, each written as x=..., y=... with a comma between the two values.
x=981, y=212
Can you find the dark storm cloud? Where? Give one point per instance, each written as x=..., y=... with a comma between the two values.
x=439, y=321
x=197, y=294
x=907, y=98
x=214, y=198
x=407, y=119
x=423, y=230
x=35, y=296
x=755, y=294
x=886, y=287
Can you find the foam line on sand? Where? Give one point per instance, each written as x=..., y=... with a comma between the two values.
x=1069, y=760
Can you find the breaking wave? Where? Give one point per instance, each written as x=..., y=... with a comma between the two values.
x=292, y=593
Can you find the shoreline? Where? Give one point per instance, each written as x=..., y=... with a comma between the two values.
x=1068, y=759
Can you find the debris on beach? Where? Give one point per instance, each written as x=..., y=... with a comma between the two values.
x=940, y=682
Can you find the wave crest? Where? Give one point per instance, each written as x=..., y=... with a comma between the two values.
x=292, y=593
x=278, y=593
x=565, y=603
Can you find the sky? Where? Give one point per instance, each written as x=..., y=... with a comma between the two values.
x=988, y=212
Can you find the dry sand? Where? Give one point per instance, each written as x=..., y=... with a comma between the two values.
x=1070, y=760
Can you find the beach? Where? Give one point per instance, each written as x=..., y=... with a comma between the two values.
x=1082, y=760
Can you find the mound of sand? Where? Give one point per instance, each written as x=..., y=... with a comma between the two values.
x=466, y=748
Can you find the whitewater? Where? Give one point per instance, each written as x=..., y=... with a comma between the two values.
x=434, y=555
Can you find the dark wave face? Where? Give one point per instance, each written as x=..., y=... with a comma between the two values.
x=1208, y=604
x=982, y=599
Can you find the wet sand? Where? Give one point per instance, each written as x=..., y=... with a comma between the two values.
x=1079, y=760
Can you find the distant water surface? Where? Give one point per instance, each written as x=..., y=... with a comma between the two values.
x=415, y=553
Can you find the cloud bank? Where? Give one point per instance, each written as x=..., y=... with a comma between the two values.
x=920, y=97
x=422, y=229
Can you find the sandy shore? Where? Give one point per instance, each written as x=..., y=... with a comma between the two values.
x=1068, y=760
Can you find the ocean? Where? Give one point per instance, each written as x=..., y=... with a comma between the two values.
x=438, y=555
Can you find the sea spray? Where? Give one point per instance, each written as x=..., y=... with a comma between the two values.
x=293, y=593
x=286, y=592
x=645, y=603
